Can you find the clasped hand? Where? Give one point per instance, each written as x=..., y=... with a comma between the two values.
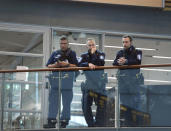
x=61, y=64
x=122, y=61
x=92, y=66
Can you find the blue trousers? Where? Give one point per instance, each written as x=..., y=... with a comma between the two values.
x=66, y=93
x=67, y=96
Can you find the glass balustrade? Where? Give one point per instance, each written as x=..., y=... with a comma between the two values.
x=144, y=97
x=86, y=98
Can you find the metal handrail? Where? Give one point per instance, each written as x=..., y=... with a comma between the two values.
x=87, y=68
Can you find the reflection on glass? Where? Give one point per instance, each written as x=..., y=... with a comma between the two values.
x=22, y=91
x=158, y=89
x=21, y=120
x=131, y=89
x=145, y=98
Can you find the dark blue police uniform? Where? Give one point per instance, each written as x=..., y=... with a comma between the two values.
x=67, y=78
x=94, y=88
x=128, y=79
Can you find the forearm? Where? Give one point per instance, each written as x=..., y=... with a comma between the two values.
x=66, y=64
x=72, y=65
x=53, y=65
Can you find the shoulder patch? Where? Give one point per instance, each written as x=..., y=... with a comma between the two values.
x=58, y=55
x=139, y=57
x=101, y=57
x=79, y=59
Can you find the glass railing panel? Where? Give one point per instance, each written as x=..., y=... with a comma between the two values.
x=112, y=98
x=131, y=90
x=93, y=102
x=157, y=81
x=77, y=119
x=91, y=98
x=56, y=83
x=21, y=92
x=144, y=97
x=60, y=90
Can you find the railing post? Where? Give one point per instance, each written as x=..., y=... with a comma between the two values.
x=117, y=107
x=2, y=100
x=59, y=100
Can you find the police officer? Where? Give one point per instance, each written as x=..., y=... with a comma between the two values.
x=64, y=57
x=94, y=87
x=128, y=82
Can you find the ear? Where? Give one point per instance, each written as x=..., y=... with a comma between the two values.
x=131, y=42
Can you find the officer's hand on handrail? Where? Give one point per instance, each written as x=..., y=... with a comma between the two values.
x=63, y=64
x=92, y=66
x=72, y=65
x=53, y=65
